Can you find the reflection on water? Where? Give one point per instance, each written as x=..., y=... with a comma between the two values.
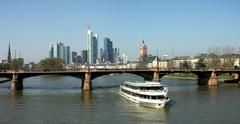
x=16, y=96
x=60, y=100
x=87, y=96
x=145, y=114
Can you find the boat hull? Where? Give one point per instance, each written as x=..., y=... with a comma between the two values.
x=142, y=102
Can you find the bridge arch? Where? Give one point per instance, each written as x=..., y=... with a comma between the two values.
x=146, y=76
x=27, y=75
x=179, y=74
x=204, y=76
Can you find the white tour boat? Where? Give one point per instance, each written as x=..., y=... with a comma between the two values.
x=149, y=94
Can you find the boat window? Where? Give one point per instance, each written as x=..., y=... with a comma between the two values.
x=154, y=97
x=142, y=96
x=160, y=97
x=148, y=97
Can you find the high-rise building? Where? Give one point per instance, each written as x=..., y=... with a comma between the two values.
x=84, y=54
x=61, y=50
x=58, y=50
x=55, y=50
x=92, y=45
x=95, y=48
x=9, y=59
x=74, y=57
x=116, y=54
x=102, y=56
x=108, y=50
x=79, y=59
x=66, y=55
x=51, y=51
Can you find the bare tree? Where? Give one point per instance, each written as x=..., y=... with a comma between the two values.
x=213, y=61
x=228, y=50
x=185, y=65
x=221, y=57
x=228, y=57
x=215, y=50
x=200, y=64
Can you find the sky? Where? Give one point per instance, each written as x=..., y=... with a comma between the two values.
x=182, y=27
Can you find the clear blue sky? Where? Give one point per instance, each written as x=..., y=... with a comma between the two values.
x=186, y=27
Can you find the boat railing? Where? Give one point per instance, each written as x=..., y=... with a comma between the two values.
x=162, y=90
x=148, y=90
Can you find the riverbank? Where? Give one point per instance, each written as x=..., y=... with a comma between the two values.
x=180, y=78
x=220, y=79
x=3, y=80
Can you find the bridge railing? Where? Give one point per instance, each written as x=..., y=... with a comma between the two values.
x=96, y=69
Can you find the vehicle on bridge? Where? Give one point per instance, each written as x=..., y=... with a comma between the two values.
x=150, y=94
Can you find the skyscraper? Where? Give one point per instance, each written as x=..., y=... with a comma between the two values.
x=58, y=50
x=66, y=54
x=55, y=50
x=84, y=54
x=51, y=51
x=92, y=45
x=74, y=57
x=9, y=54
x=108, y=50
x=79, y=59
x=102, y=56
x=95, y=48
x=116, y=54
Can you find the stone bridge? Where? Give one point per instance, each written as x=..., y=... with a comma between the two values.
x=205, y=77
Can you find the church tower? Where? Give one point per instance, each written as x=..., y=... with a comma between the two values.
x=143, y=53
x=9, y=54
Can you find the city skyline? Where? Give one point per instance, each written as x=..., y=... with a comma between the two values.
x=185, y=28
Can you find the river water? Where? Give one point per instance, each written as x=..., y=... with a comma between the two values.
x=59, y=100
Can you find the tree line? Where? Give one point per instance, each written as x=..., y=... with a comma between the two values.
x=216, y=58
x=48, y=64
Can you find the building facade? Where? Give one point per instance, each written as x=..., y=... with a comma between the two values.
x=92, y=46
x=95, y=48
x=58, y=50
x=51, y=51
x=84, y=54
x=74, y=57
x=116, y=55
x=143, y=54
x=66, y=54
x=108, y=50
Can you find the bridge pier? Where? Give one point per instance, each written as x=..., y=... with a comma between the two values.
x=213, y=81
x=237, y=77
x=16, y=83
x=87, y=82
x=207, y=79
x=156, y=77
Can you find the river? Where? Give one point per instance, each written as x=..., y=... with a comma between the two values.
x=59, y=100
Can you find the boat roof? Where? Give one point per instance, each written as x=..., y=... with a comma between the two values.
x=144, y=84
